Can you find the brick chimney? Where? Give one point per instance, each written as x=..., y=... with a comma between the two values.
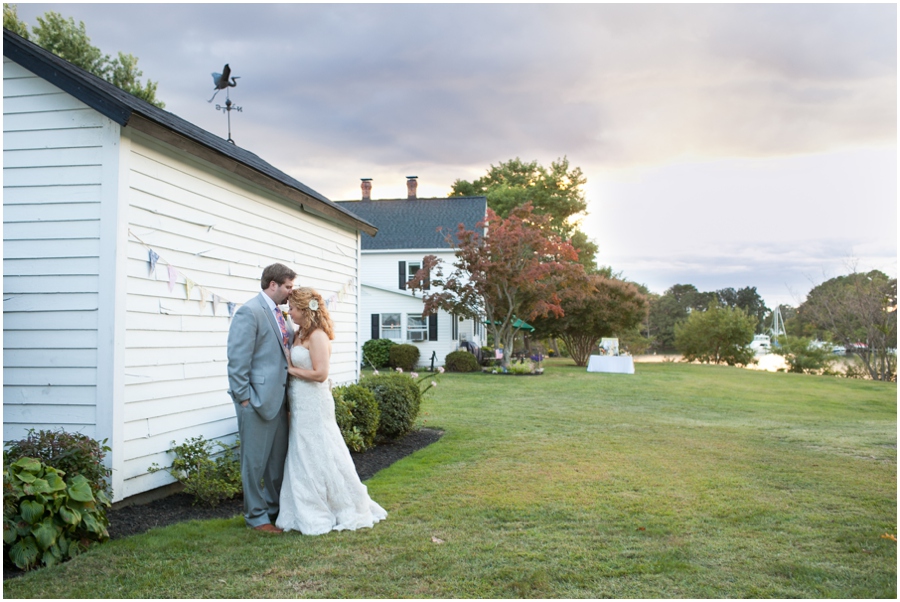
x=366, y=189
x=411, y=184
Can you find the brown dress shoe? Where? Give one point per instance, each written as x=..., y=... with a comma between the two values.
x=268, y=528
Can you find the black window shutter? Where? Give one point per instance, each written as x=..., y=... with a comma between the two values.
x=403, y=277
x=432, y=327
x=376, y=326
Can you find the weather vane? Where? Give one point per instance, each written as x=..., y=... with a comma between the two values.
x=221, y=81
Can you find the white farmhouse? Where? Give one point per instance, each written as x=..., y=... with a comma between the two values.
x=129, y=237
x=408, y=230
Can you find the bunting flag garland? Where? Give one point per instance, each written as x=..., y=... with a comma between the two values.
x=172, y=276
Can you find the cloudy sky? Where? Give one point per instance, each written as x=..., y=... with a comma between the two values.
x=724, y=145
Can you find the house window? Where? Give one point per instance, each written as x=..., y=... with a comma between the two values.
x=416, y=327
x=408, y=271
x=390, y=326
x=454, y=327
x=411, y=268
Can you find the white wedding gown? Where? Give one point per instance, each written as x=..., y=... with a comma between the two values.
x=321, y=491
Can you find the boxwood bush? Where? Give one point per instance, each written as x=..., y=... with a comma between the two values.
x=357, y=415
x=404, y=356
x=461, y=361
x=398, y=398
x=377, y=352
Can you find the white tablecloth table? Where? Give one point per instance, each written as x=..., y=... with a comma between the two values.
x=621, y=364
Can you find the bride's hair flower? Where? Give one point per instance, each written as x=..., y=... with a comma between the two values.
x=313, y=304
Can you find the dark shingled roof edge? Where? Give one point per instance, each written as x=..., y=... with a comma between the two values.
x=417, y=223
x=120, y=106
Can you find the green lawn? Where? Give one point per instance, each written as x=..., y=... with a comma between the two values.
x=677, y=481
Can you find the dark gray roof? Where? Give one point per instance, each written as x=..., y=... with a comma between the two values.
x=120, y=106
x=414, y=223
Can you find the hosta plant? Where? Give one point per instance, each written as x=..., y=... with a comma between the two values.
x=48, y=519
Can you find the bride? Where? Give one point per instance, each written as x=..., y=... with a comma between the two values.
x=321, y=491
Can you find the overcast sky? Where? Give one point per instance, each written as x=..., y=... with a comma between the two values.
x=724, y=145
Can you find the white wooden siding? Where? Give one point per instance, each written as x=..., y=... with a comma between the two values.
x=220, y=232
x=54, y=151
x=382, y=294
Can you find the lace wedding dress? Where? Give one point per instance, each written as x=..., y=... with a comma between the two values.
x=321, y=491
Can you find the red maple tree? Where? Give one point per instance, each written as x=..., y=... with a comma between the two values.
x=515, y=271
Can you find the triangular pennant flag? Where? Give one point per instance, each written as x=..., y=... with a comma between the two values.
x=202, y=296
x=188, y=287
x=172, y=275
x=154, y=257
x=215, y=304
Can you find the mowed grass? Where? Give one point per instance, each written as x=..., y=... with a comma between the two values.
x=677, y=481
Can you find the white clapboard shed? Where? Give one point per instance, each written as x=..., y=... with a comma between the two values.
x=95, y=183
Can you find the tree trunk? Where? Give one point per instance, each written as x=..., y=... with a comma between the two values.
x=580, y=347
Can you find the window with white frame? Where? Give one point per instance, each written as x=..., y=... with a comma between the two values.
x=411, y=268
x=454, y=327
x=416, y=327
x=390, y=326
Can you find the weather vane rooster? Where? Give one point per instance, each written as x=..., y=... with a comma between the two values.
x=223, y=81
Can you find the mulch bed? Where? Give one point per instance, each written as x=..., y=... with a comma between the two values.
x=131, y=520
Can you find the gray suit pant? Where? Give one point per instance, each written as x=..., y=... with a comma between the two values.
x=263, y=451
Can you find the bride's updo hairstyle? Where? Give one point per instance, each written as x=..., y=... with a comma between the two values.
x=311, y=303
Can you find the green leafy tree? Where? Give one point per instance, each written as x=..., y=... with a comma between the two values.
x=555, y=192
x=749, y=300
x=803, y=355
x=858, y=308
x=70, y=42
x=594, y=308
x=672, y=307
x=12, y=22
x=719, y=334
x=514, y=272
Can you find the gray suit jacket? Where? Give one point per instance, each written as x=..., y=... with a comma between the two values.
x=257, y=366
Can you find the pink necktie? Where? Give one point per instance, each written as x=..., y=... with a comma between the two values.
x=284, y=332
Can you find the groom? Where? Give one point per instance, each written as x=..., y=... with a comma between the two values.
x=258, y=341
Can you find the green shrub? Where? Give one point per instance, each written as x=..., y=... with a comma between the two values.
x=377, y=352
x=71, y=453
x=46, y=519
x=357, y=416
x=460, y=361
x=209, y=481
x=802, y=355
x=404, y=356
x=523, y=368
x=398, y=398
